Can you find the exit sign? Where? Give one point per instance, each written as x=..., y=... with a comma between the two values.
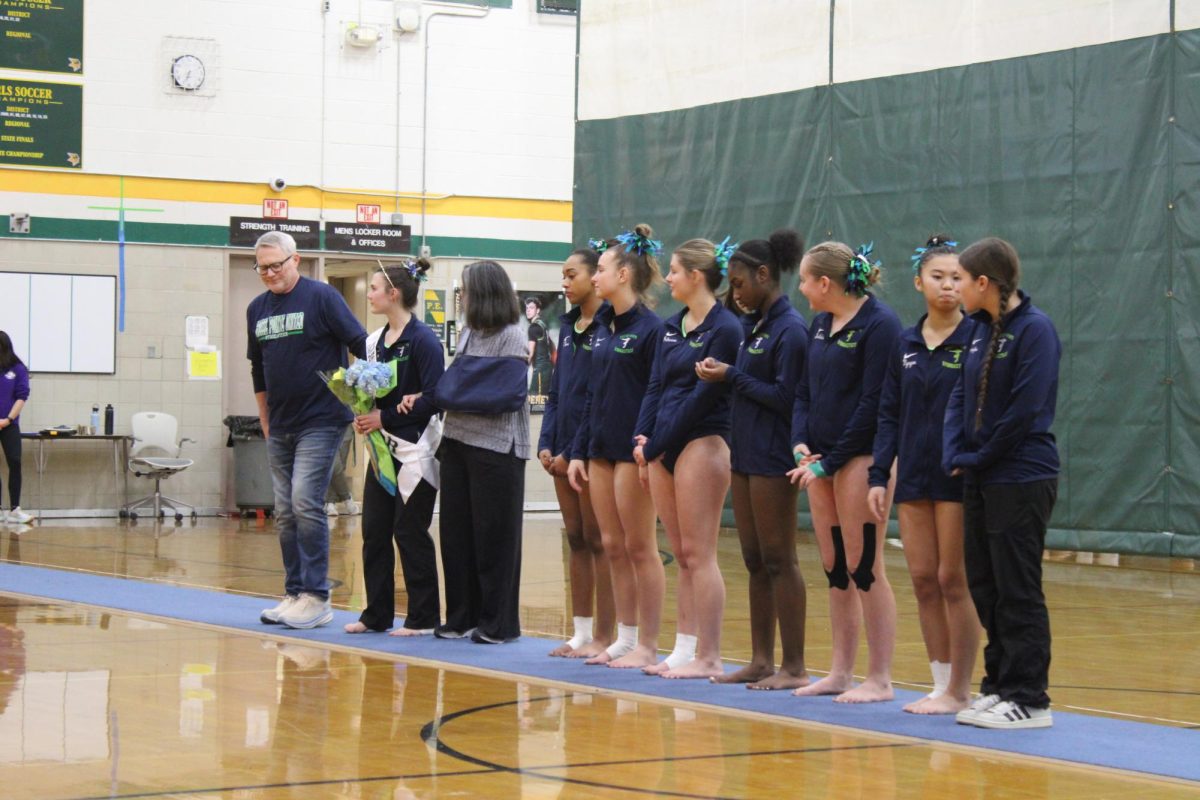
x=368, y=213
x=274, y=208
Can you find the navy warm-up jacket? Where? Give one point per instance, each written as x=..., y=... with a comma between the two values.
x=912, y=407
x=568, y=384
x=770, y=363
x=678, y=406
x=837, y=403
x=1014, y=443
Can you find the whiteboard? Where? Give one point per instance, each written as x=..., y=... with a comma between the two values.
x=61, y=323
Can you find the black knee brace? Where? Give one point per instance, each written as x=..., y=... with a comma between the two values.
x=839, y=576
x=863, y=574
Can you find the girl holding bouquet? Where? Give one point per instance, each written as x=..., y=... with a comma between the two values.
x=411, y=428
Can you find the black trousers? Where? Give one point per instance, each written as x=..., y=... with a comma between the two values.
x=386, y=518
x=10, y=440
x=483, y=493
x=1005, y=534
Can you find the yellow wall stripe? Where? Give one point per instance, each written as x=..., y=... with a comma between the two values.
x=189, y=191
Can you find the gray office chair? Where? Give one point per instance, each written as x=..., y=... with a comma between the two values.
x=154, y=432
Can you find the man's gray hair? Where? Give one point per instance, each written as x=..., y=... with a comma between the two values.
x=279, y=239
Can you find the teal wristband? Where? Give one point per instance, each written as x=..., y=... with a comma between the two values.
x=799, y=457
x=817, y=469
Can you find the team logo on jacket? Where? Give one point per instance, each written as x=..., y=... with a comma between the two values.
x=1002, y=349
x=975, y=345
x=756, y=348
x=670, y=336
x=697, y=342
x=955, y=361
x=847, y=341
x=625, y=343
x=402, y=353
x=909, y=360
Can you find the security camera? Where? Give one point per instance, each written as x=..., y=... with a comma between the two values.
x=277, y=184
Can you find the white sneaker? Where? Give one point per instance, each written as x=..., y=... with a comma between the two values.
x=351, y=508
x=331, y=509
x=309, y=611
x=978, y=706
x=270, y=616
x=18, y=516
x=1009, y=715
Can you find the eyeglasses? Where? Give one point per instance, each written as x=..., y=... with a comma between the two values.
x=262, y=269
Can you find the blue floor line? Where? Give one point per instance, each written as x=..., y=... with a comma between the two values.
x=1098, y=741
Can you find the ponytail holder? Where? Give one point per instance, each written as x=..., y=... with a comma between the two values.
x=599, y=245
x=722, y=253
x=414, y=271
x=636, y=243
x=858, y=278
x=921, y=251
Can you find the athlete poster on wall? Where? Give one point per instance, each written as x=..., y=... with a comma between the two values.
x=541, y=312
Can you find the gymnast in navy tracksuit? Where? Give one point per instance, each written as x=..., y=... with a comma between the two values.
x=683, y=435
x=403, y=416
x=564, y=412
x=921, y=374
x=997, y=436
x=769, y=364
x=602, y=452
x=833, y=431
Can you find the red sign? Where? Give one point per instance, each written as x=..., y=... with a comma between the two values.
x=274, y=208
x=368, y=213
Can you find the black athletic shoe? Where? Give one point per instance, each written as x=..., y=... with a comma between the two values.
x=479, y=638
x=446, y=632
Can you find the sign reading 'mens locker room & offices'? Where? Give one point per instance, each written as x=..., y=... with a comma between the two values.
x=41, y=122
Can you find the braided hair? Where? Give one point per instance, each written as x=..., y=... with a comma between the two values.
x=997, y=260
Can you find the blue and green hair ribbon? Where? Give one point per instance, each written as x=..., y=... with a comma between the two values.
x=722, y=253
x=636, y=243
x=920, y=252
x=858, y=278
x=599, y=245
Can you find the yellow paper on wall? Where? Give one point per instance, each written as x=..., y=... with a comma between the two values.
x=204, y=366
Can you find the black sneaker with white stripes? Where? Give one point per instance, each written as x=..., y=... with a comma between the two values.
x=1009, y=715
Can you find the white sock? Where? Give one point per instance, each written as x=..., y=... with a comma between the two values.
x=684, y=652
x=583, y=633
x=941, y=678
x=626, y=641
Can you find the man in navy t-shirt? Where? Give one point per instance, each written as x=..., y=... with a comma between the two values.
x=297, y=328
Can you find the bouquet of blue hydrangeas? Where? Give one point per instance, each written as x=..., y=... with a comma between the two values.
x=358, y=386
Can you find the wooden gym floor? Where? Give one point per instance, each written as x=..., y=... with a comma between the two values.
x=98, y=704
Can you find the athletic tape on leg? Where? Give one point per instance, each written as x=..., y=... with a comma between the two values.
x=864, y=573
x=839, y=577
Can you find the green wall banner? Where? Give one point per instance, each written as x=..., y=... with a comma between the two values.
x=41, y=124
x=1088, y=160
x=42, y=35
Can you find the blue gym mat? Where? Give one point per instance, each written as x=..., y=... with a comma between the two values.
x=1099, y=741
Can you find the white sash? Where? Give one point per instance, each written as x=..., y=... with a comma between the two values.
x=417, y=460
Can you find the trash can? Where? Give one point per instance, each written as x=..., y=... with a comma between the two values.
x=251, y=469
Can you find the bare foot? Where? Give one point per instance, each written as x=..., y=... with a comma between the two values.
x=869, y=691
x=637, y=658
x=946, y=704
x=748, y=674
x=781, y=680
x=830, y=684
x=590, y=650
x=411, y=632
x=915, y=705
x=600, y=658
x=562, y=651
x=356, y=627
x=696, y=669
x=657, y=669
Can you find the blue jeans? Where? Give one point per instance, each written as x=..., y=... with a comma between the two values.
x=301, y=466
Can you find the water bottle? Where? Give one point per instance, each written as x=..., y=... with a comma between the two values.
x=108, y=420
x=95, y=419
